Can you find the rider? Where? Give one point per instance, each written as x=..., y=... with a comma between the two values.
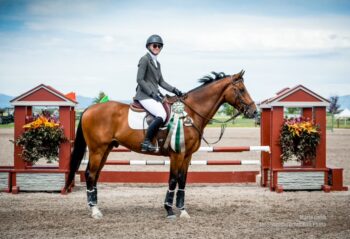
x=149, y=78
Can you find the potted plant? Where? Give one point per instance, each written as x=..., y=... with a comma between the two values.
x=299, y=139
x=41, y=139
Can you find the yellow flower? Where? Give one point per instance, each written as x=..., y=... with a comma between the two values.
x=40, y=121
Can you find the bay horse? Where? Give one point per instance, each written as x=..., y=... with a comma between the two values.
x=104, y=126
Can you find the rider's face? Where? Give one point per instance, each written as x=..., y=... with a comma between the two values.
x=155, y=48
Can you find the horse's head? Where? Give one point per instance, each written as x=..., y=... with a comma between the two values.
x=238, y=96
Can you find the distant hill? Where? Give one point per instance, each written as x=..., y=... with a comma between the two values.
x=344, y=101
x=84, y=102
x=4, y=100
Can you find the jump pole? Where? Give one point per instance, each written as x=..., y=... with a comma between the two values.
x=193, y=177
x=217, y=149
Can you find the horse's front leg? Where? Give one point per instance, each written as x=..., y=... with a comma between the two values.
x=169, y=198
x=178, y=174
x=180, y=195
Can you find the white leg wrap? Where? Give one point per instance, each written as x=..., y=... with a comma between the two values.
x=184, y=214
x=96, y=213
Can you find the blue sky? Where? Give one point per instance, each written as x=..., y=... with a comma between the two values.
x=92, y=46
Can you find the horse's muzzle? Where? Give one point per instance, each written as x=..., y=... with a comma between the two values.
x=251, y=113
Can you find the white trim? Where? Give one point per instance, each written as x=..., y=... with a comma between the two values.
x=155, y=162
x=43, y=103
x=299, y=104
x=205, y=149
x=250, y=162
x=259, y=148
x=137, y=162
x=199, y=162
x=264, y=106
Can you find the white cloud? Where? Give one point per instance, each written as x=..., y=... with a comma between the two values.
x=81, y=48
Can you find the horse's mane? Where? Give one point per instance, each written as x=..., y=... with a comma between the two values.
x=209, y=79
x=205, y=80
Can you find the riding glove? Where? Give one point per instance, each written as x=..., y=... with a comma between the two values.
x=177, y=92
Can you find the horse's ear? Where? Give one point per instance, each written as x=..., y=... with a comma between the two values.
x=241, y=73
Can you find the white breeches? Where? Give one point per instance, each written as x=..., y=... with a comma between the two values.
x=154, y=107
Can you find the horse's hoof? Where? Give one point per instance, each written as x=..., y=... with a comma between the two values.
x=184, y=214
x=171, y=217
x=96, y=213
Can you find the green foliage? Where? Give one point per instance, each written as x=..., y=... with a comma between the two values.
x=334, y=106
x=228, y=109
x=99, y=97
x=299, y=138
x=292, y=110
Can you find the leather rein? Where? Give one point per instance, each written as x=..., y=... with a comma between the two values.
x=223, y=123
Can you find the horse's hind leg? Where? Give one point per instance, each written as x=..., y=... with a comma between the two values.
x=91, y=175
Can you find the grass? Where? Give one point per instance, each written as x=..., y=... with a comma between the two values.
x=337, y=123
x=6, y=126
x=238, y=122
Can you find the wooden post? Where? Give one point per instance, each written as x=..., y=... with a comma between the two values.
x=276, y=163
x=320, y=119
x=265, y=134
x=20, y=116
x=65, y=120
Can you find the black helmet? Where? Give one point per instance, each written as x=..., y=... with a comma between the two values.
x=154, y=39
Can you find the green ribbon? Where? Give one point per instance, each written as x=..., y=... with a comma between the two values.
x=104, y=99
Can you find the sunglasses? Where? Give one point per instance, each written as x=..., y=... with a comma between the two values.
x=157, y=46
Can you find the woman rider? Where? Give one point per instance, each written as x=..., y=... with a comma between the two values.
x=149, y=78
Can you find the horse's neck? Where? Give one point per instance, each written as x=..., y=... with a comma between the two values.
x=206, y=102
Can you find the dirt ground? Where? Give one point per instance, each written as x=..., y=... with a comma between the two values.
x=217, y=211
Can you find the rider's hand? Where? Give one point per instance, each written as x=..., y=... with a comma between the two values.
x=177, y=92
x=156, y=97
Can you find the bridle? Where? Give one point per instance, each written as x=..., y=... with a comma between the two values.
x=246, y=106
x=241, y=110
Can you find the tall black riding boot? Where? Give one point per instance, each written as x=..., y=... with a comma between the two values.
x=152, y=130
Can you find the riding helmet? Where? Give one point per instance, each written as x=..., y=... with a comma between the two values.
x=154, y=39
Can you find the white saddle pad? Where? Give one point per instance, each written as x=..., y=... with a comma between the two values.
x=136, y=120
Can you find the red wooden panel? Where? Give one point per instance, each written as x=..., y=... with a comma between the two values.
x=163, y=177
x=42, y=95
x=300, y=95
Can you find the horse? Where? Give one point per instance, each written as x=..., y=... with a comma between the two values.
x=104, y=126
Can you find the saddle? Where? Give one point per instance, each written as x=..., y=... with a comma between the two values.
x=167, y=102
x=139, y=119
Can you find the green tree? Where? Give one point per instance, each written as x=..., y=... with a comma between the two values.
x=228, y=110
x=99, y=97
x=293, y=110
x=334, y=106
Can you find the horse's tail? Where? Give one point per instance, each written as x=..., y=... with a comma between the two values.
x=76, y=156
